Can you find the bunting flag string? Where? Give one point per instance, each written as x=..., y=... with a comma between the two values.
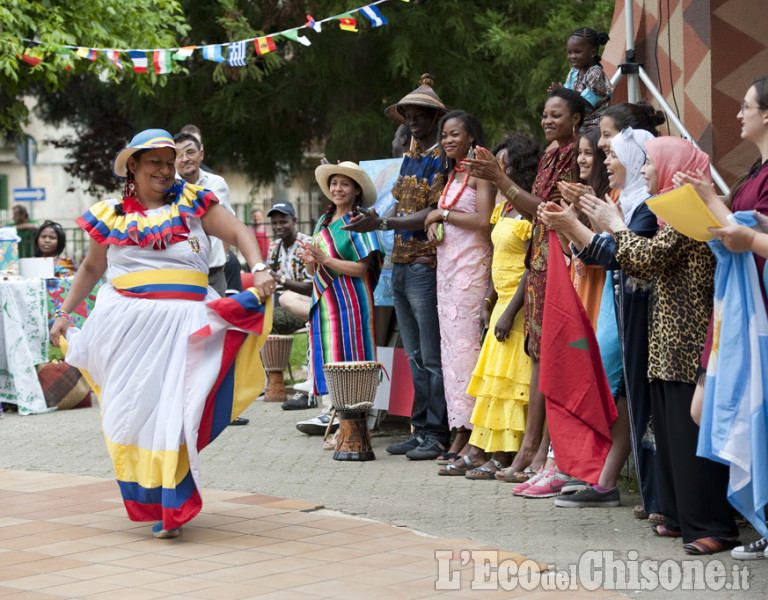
x=162, y=58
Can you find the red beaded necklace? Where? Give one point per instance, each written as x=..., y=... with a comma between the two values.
x=443, y=203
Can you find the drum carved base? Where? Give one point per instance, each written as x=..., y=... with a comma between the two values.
x=275, y=390
x=354, y=439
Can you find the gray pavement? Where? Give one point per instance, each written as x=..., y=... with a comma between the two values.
x=269, y=456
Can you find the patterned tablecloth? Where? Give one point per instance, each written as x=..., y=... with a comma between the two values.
x=24, y=343
x=27, y=308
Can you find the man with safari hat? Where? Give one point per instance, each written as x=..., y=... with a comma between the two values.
x=417, y=192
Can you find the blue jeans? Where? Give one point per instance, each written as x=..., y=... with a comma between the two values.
x=414, y=289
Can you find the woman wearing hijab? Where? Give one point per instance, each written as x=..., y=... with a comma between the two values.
x=681, y=270
x=624, y=163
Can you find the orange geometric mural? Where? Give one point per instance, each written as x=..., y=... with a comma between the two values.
x=702, y=56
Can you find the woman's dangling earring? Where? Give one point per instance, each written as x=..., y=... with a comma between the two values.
x=130, y=186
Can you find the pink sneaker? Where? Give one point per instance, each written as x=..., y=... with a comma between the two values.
x=521, y=487
x=548, y=486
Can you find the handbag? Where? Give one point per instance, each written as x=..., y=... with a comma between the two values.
x=64, y=386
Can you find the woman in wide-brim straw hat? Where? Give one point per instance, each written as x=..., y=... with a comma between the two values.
x=172, y=362
x=346, y=267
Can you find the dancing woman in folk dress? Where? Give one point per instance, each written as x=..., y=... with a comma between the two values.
x=173, y=363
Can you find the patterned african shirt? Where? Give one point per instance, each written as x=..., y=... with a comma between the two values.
x=419, y=185
x=286, y=261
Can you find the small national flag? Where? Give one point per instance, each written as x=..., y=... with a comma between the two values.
x=263, y=45
x=347, y=22
x=236, y=54
x=374, y=15
x=293, y=34
x=31, y=57
x=184, y=53
x=316, y=25
x=66, y=55
x=213, y=53
x=86, y=53
x=580, y=408
x=162, y=61
x=139, y=60
x=114, y=58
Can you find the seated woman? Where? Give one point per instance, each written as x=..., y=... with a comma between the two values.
x=346, y=267
x=49, y=243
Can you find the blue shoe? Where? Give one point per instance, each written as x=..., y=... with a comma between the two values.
x=159, y=532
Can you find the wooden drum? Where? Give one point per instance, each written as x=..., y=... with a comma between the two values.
x=275, y=354
x=352, y=387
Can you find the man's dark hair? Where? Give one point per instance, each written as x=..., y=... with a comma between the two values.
x=186, y=137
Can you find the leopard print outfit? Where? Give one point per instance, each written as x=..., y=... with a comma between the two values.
x=682, y=273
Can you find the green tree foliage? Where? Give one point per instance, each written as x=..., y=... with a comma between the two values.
x=493, y=58
x=43, y=27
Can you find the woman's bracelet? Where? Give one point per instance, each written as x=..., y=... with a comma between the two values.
x=488, y=300
x=512, y=192
x=60, y=313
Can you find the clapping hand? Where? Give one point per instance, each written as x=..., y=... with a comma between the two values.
x=605, y=213
x=572, y=192
x=560, y=217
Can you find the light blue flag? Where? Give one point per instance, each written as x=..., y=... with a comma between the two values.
x=734, y=419
x=213, y=53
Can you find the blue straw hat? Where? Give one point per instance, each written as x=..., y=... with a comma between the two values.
x=147, y=139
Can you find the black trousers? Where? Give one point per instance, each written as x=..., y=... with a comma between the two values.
x=693, y=489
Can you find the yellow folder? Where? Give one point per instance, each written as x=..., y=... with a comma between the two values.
x=684, y=210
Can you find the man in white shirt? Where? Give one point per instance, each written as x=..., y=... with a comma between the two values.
x=189, y=156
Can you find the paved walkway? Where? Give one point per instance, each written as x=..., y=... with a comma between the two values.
x=66, y=535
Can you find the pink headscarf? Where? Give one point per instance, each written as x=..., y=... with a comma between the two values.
x=673, y=154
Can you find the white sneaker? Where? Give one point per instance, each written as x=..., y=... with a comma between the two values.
x=752, y=551
x=317, y=425
x=304, y=386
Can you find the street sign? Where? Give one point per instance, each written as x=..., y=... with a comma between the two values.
x=28, y=194
x=26, y=150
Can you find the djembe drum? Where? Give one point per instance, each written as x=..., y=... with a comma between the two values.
x=352, y=387
x=275, y=354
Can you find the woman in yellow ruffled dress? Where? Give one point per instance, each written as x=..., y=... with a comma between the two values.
x=501, y=379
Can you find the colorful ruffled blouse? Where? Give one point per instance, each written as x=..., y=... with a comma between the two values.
x=153, y=228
